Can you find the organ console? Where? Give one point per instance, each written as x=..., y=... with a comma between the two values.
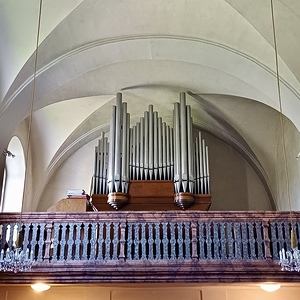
x=152, y=152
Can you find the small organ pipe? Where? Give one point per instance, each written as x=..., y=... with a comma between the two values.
x=100, y=162
x=190, y=150
x=204, y=168
x=155, y=145
x=177, y=155
x=164, y=151
x=168, y=149
x=142, y=147
x=134, y=148
x=138, y=149
x=127, y=172
x=118, y=140
x=197, y=171
x=160, y=148
x=183, y=140
x=111, y=155
x=105, y=164
x=207, y=171
x=123, y=154
x=171, y=154
x=146, y=141
x=151, y=142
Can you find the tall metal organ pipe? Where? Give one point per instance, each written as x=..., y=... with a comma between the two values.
x=117, y=174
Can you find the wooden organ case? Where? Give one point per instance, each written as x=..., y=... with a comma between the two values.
x=151, y=166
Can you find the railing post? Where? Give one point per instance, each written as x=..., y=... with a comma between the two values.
x=194, y=241
x=48, y=228
x=122, y=241
x=265, y=225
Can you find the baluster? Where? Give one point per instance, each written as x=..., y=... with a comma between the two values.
x=107, y=255
x=268, y=255
x=85, y=242
x=194, y=241
x=48, y=228
x=122, y=241
x=25, y=230
x=216, y=241
x=70, y=240
x=238, y=240
x=56, y=242
x=136, y=241
x=158, y=241
x=259, y=240
x=201, y=241
x=297, y=233
x=92, y=255
x=165, y=240
x=64, y=245
x=101, y=242
x=115, y=240
x=208, y=240
x=172, y=241
x=150, y=241
x=251, y=241
x=187, y=240
x=230, y=240
x=180, y=240
x=245, y=253
x=223, y=241
x=143, y=241
x=287, y=231
x=10, y=234
x=3, y=235
x=40, y=238
x=34, y=239
x=129, y=242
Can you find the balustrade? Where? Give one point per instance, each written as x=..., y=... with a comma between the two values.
x=185, y=236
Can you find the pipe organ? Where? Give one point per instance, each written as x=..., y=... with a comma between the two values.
x=151, y=151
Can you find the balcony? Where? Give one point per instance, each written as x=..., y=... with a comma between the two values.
x=173, y=246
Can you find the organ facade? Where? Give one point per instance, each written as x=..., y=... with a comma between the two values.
x=151, y=150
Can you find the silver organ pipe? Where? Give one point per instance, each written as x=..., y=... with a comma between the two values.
x=190, y=153
x=117, y=180
x=183, y=143
x=138, y=150
x=177, y=149
x=151, y=143
x=146, y=145
x=142, y=147
x=155, y=145
x=151, y=150
x=124, y=148
x=111, y=153
x=100, y=168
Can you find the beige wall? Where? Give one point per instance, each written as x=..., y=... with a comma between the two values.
x=150, y=292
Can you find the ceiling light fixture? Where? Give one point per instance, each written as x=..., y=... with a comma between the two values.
x=40, y=287
x=18, y=259
x=270, y=287
x=290, y=258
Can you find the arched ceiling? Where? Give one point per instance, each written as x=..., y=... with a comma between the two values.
x=92, y=49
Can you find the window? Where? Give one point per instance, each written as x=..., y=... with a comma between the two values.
x=14, y=176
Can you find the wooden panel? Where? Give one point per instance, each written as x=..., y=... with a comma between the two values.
x=152, y=195
x=157, y=294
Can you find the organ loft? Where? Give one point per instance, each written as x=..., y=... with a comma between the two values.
x=151, y=165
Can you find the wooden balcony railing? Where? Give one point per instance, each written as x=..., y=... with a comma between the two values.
x=139, y=246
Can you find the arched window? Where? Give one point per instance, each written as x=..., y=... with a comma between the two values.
x=13, y=182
